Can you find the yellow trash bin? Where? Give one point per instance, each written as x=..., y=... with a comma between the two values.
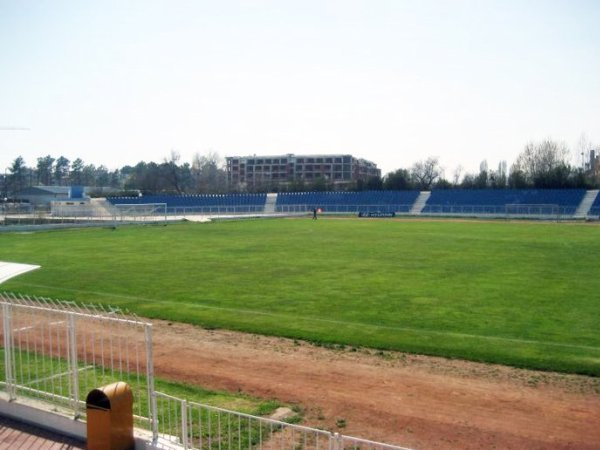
x=109, y=412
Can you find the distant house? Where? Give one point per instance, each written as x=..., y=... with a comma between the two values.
x=45, y=195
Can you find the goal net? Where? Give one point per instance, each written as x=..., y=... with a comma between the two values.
x=141, y=212
x=533, y=210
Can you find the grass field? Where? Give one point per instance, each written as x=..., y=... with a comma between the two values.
x=524, y=294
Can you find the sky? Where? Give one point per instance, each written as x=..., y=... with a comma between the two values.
x=118, y=82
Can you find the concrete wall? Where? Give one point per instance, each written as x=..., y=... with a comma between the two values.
x=38, y=414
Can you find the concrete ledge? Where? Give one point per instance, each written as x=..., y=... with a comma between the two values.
x=41, y=415
x=37, y=414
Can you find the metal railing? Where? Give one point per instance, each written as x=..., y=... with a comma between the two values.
x=509, y=210
x=59, y=351
x=194, y=426
x=215, y=210
x=91, y=215
x=341, y=208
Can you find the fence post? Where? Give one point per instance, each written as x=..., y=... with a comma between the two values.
x=335, y=441
x=150, y=383
x=184, y=424
x=73, y=364
x=8, y=351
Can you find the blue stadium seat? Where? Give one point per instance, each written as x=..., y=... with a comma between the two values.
x=347, y=202
x=200, y=203
x=495, y=201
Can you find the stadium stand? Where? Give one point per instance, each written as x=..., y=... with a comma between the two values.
x=347, y=202
x=542, y=203
x=562, y=202
x=202, y=203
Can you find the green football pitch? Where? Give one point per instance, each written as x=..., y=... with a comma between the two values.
x=525, y=294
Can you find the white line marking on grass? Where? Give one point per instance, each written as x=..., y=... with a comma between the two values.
x=331, y=321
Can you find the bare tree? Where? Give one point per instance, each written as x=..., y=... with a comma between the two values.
x=208, y=172
x=539, y=159
x=457, y=174
x=425, y=173
x=173, y=172
x=498, y=179
x=545, y=165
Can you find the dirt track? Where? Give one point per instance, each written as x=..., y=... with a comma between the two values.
x=414, y=401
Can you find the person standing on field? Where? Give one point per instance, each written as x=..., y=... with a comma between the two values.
x=315, y=213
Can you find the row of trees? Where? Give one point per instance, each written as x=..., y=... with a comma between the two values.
x=541, y=164
x=204, y=175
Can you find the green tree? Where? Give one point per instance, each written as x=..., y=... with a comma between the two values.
x=319, y=184
x=61, y=171
x=45, y=166
x=442, y=183
x=17, y=178
x=102, y=177
x=398, y=180
x=88, y=175
x=517, y=179
x=374, y=184
x=76, y=175
x=469, y=181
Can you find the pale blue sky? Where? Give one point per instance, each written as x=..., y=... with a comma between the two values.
x=391, y=81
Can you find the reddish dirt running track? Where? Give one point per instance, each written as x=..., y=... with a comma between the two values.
x=414, y=401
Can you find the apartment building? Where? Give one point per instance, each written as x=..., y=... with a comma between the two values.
x=257, y=171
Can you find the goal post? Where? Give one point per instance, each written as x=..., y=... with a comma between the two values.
x=141, y=212
x=551, y=211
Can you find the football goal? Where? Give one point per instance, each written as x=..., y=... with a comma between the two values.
x=142, y=212
x=550, y=211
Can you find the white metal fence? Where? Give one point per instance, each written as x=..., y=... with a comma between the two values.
x=215, y=210
x=538, y=211
x=194, y=426
x=348, y=209
x=59, y=351
x=93, y=215
x=140, y=212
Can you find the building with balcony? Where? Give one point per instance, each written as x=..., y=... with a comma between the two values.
x=249, y=172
